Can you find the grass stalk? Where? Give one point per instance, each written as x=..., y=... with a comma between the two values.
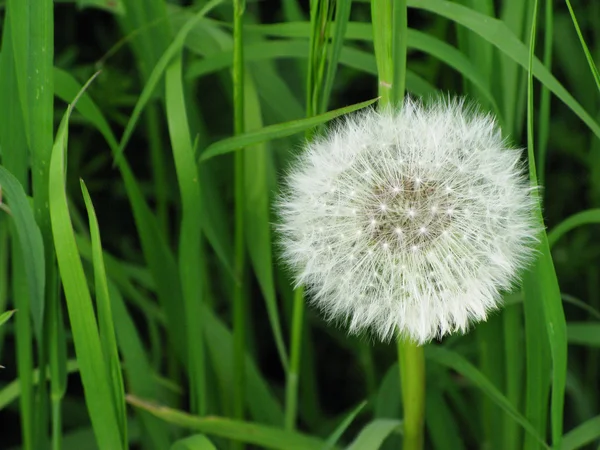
x=239, y=297
x=291, y=388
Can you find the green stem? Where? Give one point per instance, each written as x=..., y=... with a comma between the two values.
x=389, y=38
x=291, y=391
x=239, y=300
x=412, y=382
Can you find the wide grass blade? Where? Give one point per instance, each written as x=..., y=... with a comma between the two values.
x=272, y=132
x=251, y=433
x=94, y=374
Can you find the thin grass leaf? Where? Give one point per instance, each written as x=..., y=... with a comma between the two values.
x=584, y=333
x=454, y=361
x=141, y=379
x=257, y=172
x=498, y=34
x=441, y=422
x=583, y=434
x=12, y=391
x=335, y=436
x=5, y=316
x=260, y=401
x=586, y=50
x=375, y=433
x=157, y=73
x=156, y=251
x=272, y=132
x=191, y=255
x=588, y=217
x=88, y=348
x=342, y=16
x=108, y=339
x=251, y=433
x=540, y=286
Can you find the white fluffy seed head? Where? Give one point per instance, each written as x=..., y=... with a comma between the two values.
x=408, y=222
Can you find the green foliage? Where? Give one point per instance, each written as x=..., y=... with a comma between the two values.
x=181, y=317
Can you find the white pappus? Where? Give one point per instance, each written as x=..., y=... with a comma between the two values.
x=408, y=222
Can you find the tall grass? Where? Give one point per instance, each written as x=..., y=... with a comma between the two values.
x=137, y=237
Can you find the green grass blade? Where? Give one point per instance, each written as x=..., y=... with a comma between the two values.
x=375, y=433
x=540, y=285
x=454, y=361
x=258, y=169
x=88, y=348
x=191, y=257
x=141, y=380
x=342, y=16
x=30, y=242
x=583, y=434
x=262, y=404
x=588, y=217
x=156, y=251
x=584, y=333
x=251, y=433
x=441, y=422
x=343, y=426
x=5, y=316
x=588, y=55
x=157, y=73
x=280, y=130
x=196, y=442
x=497, y=33
x=108, y=339
x=13, y=390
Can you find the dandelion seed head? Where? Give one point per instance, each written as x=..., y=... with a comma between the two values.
x=425, y=214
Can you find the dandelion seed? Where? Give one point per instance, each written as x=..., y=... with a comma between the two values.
x=416, y=253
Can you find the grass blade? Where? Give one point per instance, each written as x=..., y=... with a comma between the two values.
x=88, y=348
x=497, y=33
x=588, y=217
x=583, y=434
x=251, y=433
x=30, y=241
x=108, y=339
x=454, y=361
x=540, y=285
x=191, y=257
x=272, y=132
x=374, y=433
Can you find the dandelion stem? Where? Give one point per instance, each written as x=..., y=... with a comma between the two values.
x=412, y=381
